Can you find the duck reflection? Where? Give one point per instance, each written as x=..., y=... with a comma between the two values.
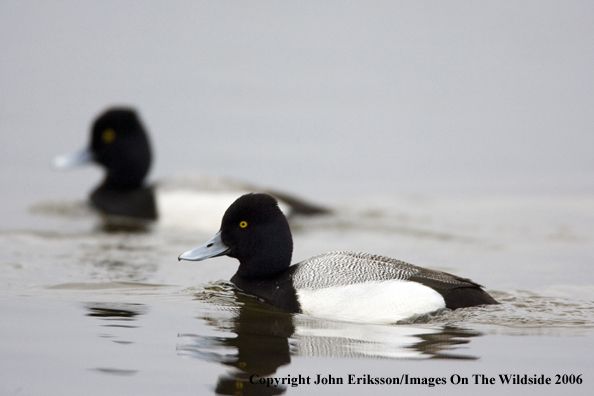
x=115, y=225
x=261, y=339
x=117, y=314
x=259, y=343
x=318, y=338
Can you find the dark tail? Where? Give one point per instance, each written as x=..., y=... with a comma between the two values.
x=467, y=297
x=299, y=206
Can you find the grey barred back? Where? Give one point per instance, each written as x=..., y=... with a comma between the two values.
x=346, y=268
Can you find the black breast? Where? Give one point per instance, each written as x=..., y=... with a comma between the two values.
x=137, y=203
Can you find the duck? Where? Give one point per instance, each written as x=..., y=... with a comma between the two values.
x=341, y=285
x=120, y=144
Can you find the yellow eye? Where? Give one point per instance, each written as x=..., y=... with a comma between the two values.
x=108, y=136
x=243, y=224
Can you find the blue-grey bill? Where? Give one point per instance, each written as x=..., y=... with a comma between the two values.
x=73, y=160
x=213, y=248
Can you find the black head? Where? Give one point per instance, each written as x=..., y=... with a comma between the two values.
x=254, y=231
x=120, y=144
x=258, y=235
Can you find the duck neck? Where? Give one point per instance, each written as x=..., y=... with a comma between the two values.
x=124, y=178
x=269, y=256
x=263, y=268
x=126, y=172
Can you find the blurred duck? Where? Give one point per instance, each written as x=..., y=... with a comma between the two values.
x=119, y=143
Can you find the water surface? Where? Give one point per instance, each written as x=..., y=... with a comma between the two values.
x=90, y=311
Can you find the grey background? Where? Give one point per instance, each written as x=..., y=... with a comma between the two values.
x=329, y=100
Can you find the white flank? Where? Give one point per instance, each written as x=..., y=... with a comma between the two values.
x=196, y=210
x=372, y=302
x=193, y=210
